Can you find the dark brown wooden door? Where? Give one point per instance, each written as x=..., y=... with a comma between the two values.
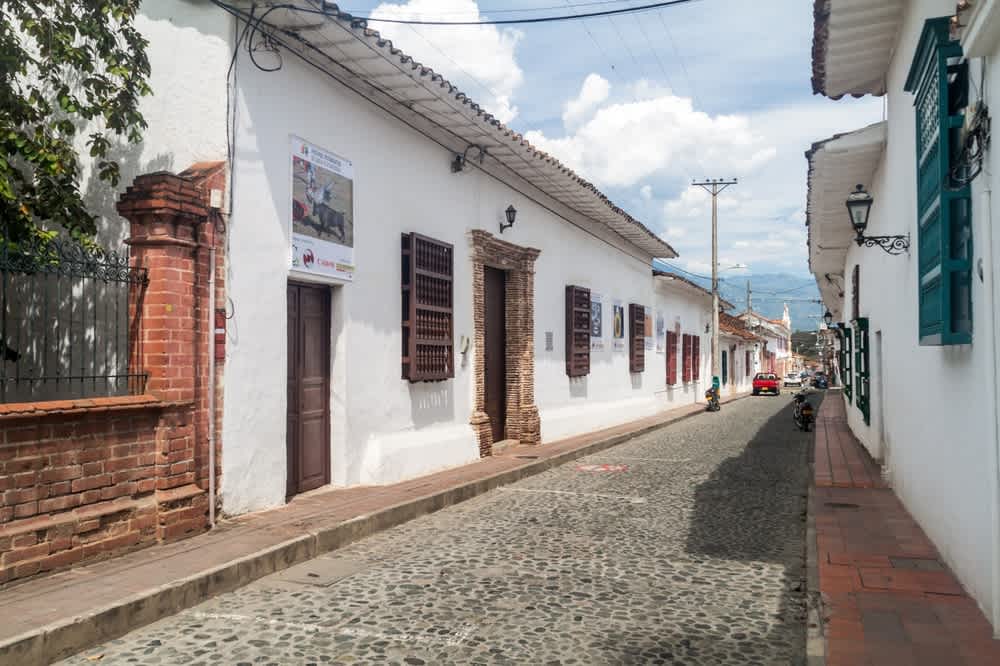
x=495, y=355
x=308, y=433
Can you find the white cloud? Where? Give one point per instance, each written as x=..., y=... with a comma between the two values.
x=656, y=133
x=646, y=192
x=594, y=91
x=479, y=59
x=673, y=233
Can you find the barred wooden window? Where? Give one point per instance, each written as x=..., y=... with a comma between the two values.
x=747, y=361
x=686, y=358
x=695, y=357
x=637, y=338
x=427, y=314
x=944, y=212
x=577, y=331
x=671, y=358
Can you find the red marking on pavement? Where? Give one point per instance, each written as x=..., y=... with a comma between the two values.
x=602, y=468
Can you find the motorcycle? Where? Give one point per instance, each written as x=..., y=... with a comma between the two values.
x=712, y=400
x=803, y=413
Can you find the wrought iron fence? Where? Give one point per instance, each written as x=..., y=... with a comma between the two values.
x=67, y=314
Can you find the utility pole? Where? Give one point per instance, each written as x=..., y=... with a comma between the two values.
x=714, y=186
x=749, y=304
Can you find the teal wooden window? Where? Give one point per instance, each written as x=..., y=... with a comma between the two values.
x=861, y=368
x=944, y=214
x=846, y=364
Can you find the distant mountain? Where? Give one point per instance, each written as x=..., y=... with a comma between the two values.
x=769, y=293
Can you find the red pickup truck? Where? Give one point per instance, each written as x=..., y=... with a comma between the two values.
x=765, y=382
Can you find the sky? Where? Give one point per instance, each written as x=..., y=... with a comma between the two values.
x=642, y=104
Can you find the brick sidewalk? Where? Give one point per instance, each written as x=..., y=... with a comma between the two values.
x=57, y=615
x=888, y=598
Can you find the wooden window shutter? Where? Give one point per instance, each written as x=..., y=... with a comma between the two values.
x=696, y=357
x=944, y=211
x=577, y=331
x=671, y=358
x=427, y=309
x=747, y=361
x=637, y=338
x=686, y=358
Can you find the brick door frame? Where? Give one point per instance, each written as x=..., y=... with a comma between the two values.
x=518, y=262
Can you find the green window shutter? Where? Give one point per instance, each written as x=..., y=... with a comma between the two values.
x=848, y=365
x=944, y=212
x=861, y=368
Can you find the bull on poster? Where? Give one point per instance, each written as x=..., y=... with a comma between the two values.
x=619, y=326
x=322, y=212
x=596, y=322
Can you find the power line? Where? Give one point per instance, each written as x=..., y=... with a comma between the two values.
x=523, y=10
x=520, y=21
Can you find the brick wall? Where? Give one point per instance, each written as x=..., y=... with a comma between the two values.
x=86, y=479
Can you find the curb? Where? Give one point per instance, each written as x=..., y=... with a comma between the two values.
x=815, y=638
x=64, y=638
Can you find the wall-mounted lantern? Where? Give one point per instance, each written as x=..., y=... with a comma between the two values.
x=859, y=205
x=828, y=318
x=511, y=214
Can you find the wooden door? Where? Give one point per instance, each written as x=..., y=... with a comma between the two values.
x=495, y=353
x=308, y=432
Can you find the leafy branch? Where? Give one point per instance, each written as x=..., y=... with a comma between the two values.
x=67, y=67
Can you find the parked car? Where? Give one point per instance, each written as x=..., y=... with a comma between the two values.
x=792, y=379
x=820, y=381
x=766, y=382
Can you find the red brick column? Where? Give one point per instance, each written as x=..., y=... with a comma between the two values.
x=167, y=213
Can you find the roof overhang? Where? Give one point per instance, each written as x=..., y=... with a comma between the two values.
x=686, y=286
x=835, y=166
x=853, y=41
x=359, y=58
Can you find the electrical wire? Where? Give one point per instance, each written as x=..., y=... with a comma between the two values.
x=540, y=19
x=524, y=10
x=240, y=14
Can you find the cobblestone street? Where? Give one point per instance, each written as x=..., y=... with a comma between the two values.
x=686, y=545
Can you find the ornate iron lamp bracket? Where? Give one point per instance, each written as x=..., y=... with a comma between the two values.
x=891, y=244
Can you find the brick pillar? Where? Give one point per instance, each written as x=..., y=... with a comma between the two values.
x=166, y=213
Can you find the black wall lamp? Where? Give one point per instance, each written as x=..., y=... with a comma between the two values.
x=458, y=163
x=859, y=205
x=828, y=318
x=511, y=214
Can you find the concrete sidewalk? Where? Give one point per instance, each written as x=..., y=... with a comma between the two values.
x=52, y=617
x=887, y=597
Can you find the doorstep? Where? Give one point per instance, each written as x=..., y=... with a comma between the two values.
x=886, y=596
x=56, y=616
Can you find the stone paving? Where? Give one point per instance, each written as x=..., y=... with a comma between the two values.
x=685, y=545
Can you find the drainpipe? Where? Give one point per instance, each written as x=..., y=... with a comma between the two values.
x=211, y=383
x=987, y=259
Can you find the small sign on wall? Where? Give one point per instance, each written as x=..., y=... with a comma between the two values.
x=549, y=344
x=596, y=322
x=322, y=212
x=619, y=326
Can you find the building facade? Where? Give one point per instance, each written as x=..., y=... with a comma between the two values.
x=916, y=310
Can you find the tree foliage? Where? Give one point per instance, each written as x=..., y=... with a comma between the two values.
x=67, y=67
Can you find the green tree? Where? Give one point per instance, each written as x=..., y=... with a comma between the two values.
x=66, y=67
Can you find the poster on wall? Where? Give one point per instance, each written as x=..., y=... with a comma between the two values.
x=648, y=332
x=596, y=322
x=661, y=331
x=322, y=212
x=619, y=333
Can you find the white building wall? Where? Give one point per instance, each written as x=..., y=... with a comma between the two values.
x=930, y=410
x=190, y=45
x=383, y=428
